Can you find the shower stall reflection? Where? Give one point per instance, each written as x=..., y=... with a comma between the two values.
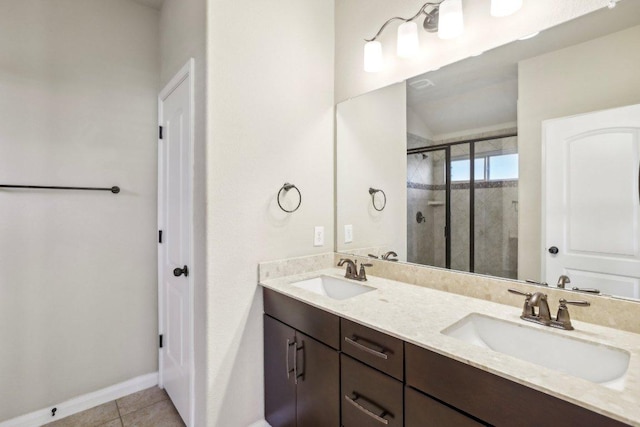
x=469, y=208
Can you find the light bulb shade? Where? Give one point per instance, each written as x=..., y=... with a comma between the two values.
x=407, y=39
x=500, y=8
x=372, y=57
x=451, y=23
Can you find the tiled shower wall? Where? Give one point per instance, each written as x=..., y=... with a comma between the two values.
x=496, y=215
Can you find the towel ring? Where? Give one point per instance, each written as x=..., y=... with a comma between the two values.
x=373, y=192
x=286, y=187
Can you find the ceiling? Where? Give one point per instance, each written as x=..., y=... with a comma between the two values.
x=482, y=91
x=156, y=4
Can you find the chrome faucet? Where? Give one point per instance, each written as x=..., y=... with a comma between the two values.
x=543, y=316
x=388, y=255
x=563, y=280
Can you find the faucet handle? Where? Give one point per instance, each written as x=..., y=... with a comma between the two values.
x=362, y=276
x=527, y=310
x=524, y=294
x=563, y=320
x=581, y=303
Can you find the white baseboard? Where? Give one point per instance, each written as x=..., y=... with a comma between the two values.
x=261, y=423
x=84, y=402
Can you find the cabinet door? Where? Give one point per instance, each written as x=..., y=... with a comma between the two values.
x=318, y=393
x=279, y=385
x=422, y=411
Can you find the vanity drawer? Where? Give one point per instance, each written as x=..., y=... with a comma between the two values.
x=369, y=397
x=374, y=348
x=319, y=324
x=422, y=411
x=489, y=397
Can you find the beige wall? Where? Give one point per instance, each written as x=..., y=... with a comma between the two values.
x=78, y=287
x=270, y=120
x=357, y=20
x=371, y=144
x=596, y=75
x=183, y=36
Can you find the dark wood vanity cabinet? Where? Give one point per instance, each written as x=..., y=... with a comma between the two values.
x=324, y=371
x=302, y=374
x=490, y=398
x=421, y=410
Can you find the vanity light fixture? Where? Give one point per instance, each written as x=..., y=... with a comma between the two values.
x=444, y=17
x=451, y=23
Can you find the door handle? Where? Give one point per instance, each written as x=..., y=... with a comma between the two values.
x=180, y=271
x=297, y=375
x=553, y=250
x=289, y=344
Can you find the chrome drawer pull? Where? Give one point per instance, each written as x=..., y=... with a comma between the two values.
x=365, y=348
x=365, y=410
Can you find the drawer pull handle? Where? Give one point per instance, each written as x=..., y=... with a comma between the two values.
x=356, y=344
x=365, y=410
x=286, y=356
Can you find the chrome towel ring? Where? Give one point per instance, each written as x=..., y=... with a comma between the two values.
x=373, y=192
x=286, y=187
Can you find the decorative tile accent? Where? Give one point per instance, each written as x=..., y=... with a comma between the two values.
x=507, y=183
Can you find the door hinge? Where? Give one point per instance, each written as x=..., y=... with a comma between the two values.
x=159, y=236
x=160, y=339
x=160, y=132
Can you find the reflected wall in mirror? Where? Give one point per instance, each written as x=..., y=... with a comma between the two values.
x=460, y=154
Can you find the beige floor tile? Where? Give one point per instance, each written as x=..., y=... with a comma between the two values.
x=91, y=417
x=161, y=414
x=114, y=423
x=141, y=399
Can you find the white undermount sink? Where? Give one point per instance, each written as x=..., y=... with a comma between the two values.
x=333, y=287
x=588, y=360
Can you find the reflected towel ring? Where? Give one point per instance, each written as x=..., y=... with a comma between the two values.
x=373, y=192
x=286, y=187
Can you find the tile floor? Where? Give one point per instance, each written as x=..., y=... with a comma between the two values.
x=146, y=408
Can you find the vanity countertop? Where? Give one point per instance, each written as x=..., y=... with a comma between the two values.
x=417, y=314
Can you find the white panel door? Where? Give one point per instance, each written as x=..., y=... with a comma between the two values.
x=175, y=217
x=592, y=200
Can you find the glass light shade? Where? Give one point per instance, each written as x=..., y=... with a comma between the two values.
x=451, y=23
x=407, y=39
x=372, y=57
x=500, y=8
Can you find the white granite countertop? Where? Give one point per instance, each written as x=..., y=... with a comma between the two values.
x=417, y=315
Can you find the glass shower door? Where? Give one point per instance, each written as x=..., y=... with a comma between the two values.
x=426, y=208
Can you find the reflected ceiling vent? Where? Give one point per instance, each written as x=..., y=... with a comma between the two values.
x=421, y=84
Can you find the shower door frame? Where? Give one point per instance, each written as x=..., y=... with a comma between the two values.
x=472, y=191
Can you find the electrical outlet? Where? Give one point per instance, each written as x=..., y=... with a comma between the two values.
x=348, y=233
x=318, y=236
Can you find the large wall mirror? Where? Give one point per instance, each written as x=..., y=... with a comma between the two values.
x=521, y=162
